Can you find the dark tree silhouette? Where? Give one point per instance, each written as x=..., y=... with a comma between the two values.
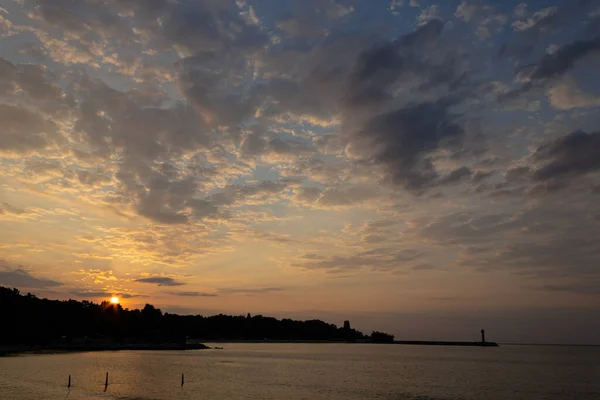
x=28, y=320
x=380, y=337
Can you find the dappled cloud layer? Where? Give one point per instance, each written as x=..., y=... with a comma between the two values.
x=335, y=156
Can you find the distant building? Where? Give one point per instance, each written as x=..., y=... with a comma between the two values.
x=346, y=325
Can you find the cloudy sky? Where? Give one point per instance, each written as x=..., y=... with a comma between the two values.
x=423, y=168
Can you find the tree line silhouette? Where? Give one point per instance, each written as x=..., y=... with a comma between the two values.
x=29, y=320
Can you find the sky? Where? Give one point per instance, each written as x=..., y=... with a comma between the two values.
x=424, y=168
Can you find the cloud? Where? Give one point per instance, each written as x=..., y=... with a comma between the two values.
x=466, y=228
x=541, y=18
x=308, y=18
x=24, y=131
x=424, y=267
x=275, y=148
x=585, y=288
x=520, y=10
x=382, y=259
x=402, y=140
x=193, y=294
x=308, y=194
x=562, y=60
x=36, y=82
x=160, y=281
x=428, y=14
x=465, y=11
x=250, y=291
x=542, y=23
x=6, y=208
x=456, y=176
x=484, y=16
x=20, y=278
x=480, y=176
x=553, y=66
x=95, y=275
x=543, y=241
x=566, y=95
x=349, y=196
x=575, y=154
x=81, y=18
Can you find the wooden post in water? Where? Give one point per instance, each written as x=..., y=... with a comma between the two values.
x=181, y=380
x=106, y=382
x=69, y=384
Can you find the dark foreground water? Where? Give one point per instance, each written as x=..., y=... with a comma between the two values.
x=310, y=371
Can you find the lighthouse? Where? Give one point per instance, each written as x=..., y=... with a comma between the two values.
x=483, y=336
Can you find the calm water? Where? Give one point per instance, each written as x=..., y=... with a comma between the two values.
x=308, y=371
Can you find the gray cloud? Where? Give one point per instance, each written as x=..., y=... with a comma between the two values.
x=206, y=25
x=402, y=139
x=24, y=130
x=556, y=64
x=480, y=176
x=531, y=31
x=81, y=18
x=380, y=68
x=308, y=18
x=543, y=241
x=457, y=175
x=553, y=66
x=6, y=208
x=390, y=259
x=8, y=77
x=383, y=128
x=577, y=153
x=336, y=197
x=20, y=278
x=424, y=267
x=36, y=82
x=467, y=228
x=193, y=294
x=91, y=177
x=584, y=287
x=308, y=194
x=517, y=174
x=256, y=145
x=250, y=291
x=160, y=281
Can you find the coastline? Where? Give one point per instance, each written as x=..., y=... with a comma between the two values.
x=60, y=349
x=442, y=343
x=396, y=342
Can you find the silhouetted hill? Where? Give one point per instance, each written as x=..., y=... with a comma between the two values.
x=28, y=320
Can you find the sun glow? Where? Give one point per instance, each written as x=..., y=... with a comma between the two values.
x=114, y=300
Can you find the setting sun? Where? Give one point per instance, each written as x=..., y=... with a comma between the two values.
x=114, y=300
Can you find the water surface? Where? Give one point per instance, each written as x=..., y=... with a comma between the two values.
x=310, y=371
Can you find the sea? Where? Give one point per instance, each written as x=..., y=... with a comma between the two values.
x=309, y=372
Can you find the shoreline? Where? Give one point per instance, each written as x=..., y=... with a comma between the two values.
x=62, y=349
x=18, y=350
x=396, y=342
